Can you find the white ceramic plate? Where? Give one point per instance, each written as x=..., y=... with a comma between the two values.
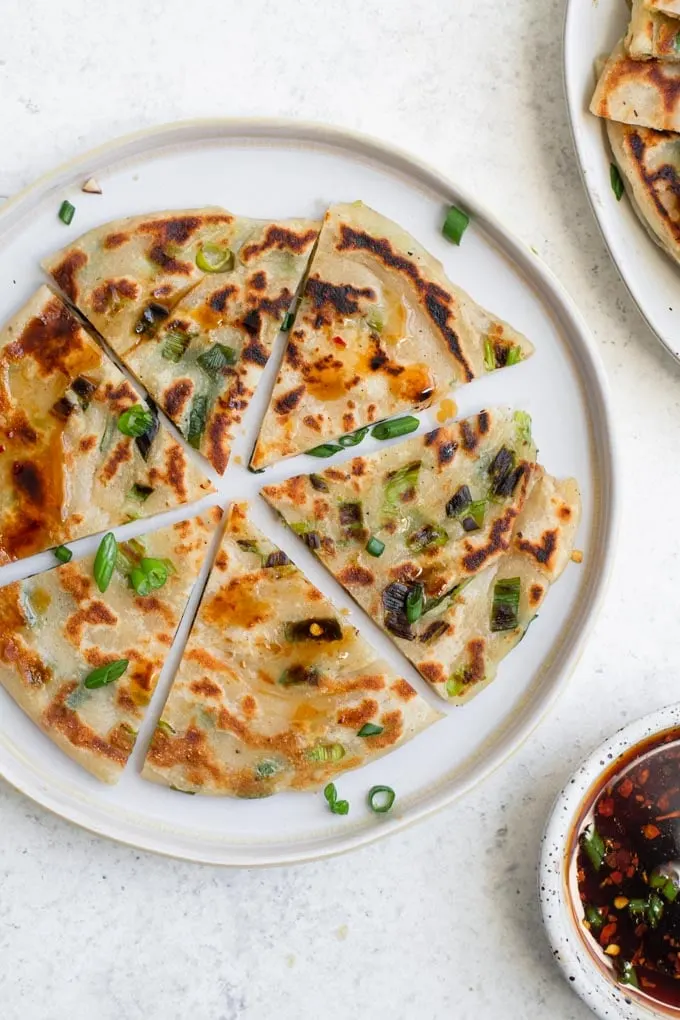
x=591, y=30
x=608, y=1000
x=283, y=169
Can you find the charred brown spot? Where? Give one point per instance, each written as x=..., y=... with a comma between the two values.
x=438, y=628
x=176, y=467
x=176, y=397
x=168, y=262
x=403, y=690
x=535, y=594
x=106, y=297
x=66, y=272
x=355, y=574
x=289, y=401
x=542, y=551
x=483, y=422
x=564, y=512
x=342, y=299
x=53, y=339
x=65, y=721
x=120, y=454
x=29, y=481
x=218, y=434
x=218, y=301
x=469, y=437
x=431, y=437
x=358, y=467
x=446, y=452
x=176, y=230
x=87, y=443
x=120, y=397
x=439, y=304
x=78, y=585
x=205, y=687
x=281, y=238
x=256, y=353
x=358, y=715
x=259, y=281
x=115, y=240
x=313, y=422
x=433, y=671
x=293, y=355
x=96, y=614
x=191, y=751
x=498, y=542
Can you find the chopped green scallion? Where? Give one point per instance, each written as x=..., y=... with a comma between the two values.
x=288, y=321
x=628, y=974
x=136, y=421
x=66, y=212
x=175, y=345
x=505, y=608
x=216, y=359
x=616, y=181
x=381, y=799
x=593, y=916
x=354, y=438
x=105, y=561
x=489, y=355
x=455, y=224
x=593, y=846
x=370, y=729
x=63, y=554
x=211, y=258
x=374, y=547
x=140, y=493
x=326, y=752
x=514, y=356
x=198, y=417
x=325, y=450
x=415, y=601
x=395, y=427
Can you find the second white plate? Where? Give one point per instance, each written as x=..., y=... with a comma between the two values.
x=591, y=30
x=278, y=169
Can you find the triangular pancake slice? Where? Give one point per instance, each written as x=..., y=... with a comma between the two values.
x=652, y=35
x=670, y=7
x=650, y=164
x=643, y=93
x=380, y=330
x=56, y=629
x=421, y=533
x=191, y=302
x=276, y=690
x=66, y=468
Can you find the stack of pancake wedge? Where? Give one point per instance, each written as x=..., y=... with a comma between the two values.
x=638, y=95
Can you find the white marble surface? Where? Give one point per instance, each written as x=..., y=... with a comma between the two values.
x=442, y=920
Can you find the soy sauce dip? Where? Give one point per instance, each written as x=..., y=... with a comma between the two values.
x=625, y=870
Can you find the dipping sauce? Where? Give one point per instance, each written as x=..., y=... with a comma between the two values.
x=627, y=870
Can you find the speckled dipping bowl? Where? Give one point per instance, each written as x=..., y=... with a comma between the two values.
x=561, y=915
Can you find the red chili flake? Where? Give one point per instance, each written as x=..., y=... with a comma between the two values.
x=650, y=831
x=616, y=877
x=339, y=341
x=607, y=933
x=630, y=871
x=626, y=787
x=606, y=807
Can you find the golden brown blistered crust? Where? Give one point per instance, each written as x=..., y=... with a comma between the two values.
x=58, y=717
x=282, y=239
x=654, y=74
x=438, y=304
x=661, y=185
x=544, y=551
x=66, y=273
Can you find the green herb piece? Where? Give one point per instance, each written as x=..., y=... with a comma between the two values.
x=593, y=916
x=107, y=434
x=655, y=908
x=165, y=727
x=637, y=906
x=381, y=799
x=325, y=450
x=657, y=879
x=326, y=752
x=457, y=682
x=213, y=259
x=353, y=438
x=396, y=427
x=514, y=356
x=149, y=575
x=104, y=675
x=375, y=321
x=216, y=359
x=370, y=729
x=140, y=493
x=593, y=845
x=105, y=561
x=66, y=212
x=628, y=974
x=374, y=547
x=455, y=224
x=489, y=355
x=415, y=601
x=340, y=807
x=473, y=517
x=198, y=417
x=427, y=536
x=267, y=768
x=505, y=608
x=670, y=891
x=136, y=421
x=398, y=484
x=175, y=345
x=523, y=422
x=616, y=181
x=330, y=793
x=288, y=320
x=63, y=554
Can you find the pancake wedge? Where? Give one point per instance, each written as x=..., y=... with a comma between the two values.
x=422, y=534
x=275, y=686
x=670, y=7
x=650, y=164
x=652, y=35
x=66, y=468
x=191, y=302
x=638, y=92
x=56, y=629
x=380, y=330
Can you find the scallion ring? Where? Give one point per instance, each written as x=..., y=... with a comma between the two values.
x=381, y=799
x=455, y=224
x=63, y=554
x=213, y=259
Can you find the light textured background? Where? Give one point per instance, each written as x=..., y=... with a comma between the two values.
x=440, y=921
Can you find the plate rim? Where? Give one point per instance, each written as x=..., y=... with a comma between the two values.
x=591, y=372
x=573, y=112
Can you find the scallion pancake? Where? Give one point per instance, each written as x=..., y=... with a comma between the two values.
x=638, y=92
x=66, y=468
x=649, y=162
x=57, y=628
x=652, y=35
x=380, y=330
x=422, y=533
x=670, y=7
x=276, y=690
x=191, y=302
